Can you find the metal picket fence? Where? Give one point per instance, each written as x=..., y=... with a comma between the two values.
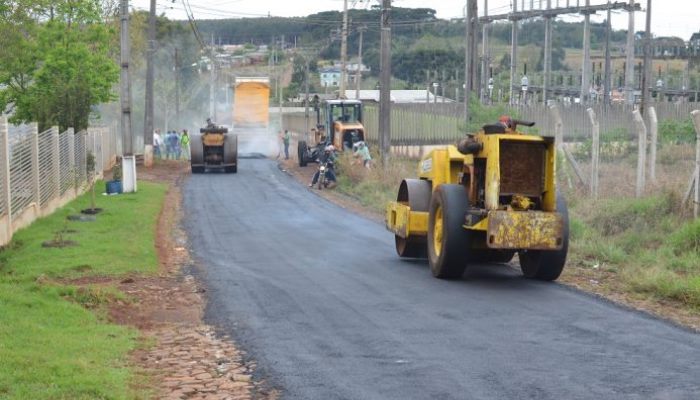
x=42, y=171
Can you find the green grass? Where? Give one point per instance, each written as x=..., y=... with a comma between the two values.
x=653, y=246
x=52, y=346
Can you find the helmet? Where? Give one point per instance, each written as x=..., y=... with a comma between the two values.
x=330, y=147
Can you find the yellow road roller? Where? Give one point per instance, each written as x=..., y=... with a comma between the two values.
x=484, y=200
x=214, y=148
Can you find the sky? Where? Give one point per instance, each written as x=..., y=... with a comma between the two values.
x=669, y=17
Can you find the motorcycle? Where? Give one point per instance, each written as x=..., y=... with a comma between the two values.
x=323, y=170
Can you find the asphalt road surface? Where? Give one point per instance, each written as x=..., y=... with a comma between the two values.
x=318, y=297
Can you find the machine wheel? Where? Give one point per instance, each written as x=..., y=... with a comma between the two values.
x=448, y=241
x=302, y=152
x=196, y=154
x=416, y=194
x=231, y=153
x=547, y=265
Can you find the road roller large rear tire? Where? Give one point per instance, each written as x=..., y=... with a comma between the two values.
x=547, y=265
x=416, y=194
x=448, y=241
x=196, y=154
x=231, y=153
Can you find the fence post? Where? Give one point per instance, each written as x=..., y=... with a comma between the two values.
x=56, y=158
x=654, y=132
x=36, y=184
x=558, y=126
x=5, y=177
x=641, y=151
x=696, y=121
x=595, y=152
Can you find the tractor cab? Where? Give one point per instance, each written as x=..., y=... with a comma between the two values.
x=338, y=122
x=342, y=123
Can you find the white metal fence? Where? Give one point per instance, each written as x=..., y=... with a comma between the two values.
x=42, y=171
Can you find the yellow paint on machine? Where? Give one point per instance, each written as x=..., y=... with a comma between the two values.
x=213, y=139
x=533, y=230
x=404, y=222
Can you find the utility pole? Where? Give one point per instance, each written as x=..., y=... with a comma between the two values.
x=177, y=88
x=343, y=50
x=306, y=96
x=513, y=53
x=608, y=81
x=586, y=64
x=547, y=54
x=629, y=66
x=468, y=57
x=128, y=159
x=385, y=84
x=474, y=55
x=485, y=54
x=646, y=75
x=150, y=53
x=358, y=76
x=212, y=81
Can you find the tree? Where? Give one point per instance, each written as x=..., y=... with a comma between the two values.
x=55, y=71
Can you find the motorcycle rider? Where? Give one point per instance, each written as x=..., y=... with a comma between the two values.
x=328, y=157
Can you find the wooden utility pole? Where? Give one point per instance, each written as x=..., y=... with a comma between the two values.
x=646, y=74
x=586, y=64
x=485, y=61
x=306, y=96
x=547, y=54
x=473, y=57
x=607, y=80
x=469, y=54
x=343, y=50
x=513, y=54
x=150, y=53
x=385, y=84
x=629, y=50
x=212, y=81
x=177, y=88
x=358, y=76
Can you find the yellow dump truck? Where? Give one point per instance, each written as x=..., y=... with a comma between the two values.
x=251, y=104
x=484, y=200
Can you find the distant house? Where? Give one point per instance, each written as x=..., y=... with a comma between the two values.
x=330, y=77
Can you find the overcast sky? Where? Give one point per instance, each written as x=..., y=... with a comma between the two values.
x=670, y=17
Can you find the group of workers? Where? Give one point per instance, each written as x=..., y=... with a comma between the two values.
x=171, y=146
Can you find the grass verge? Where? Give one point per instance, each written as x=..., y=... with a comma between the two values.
x=55, y=342
x=648, y=244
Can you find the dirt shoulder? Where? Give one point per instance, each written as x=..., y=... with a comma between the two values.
x=596, y=281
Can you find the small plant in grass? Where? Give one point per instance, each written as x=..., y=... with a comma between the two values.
x=90, y=169
x=60, y=239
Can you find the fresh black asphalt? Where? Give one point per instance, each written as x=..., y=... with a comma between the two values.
x=317, y=296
